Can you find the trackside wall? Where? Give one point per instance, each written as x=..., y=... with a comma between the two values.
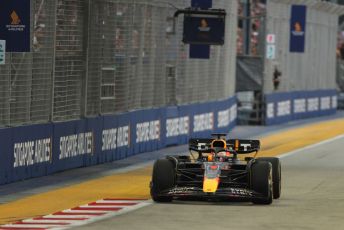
x=284, y=107
x=38, y=150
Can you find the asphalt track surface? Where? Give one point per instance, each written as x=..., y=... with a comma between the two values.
x=312, y=198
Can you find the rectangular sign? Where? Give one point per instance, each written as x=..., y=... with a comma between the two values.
x=204, y=30
x=271, y=38
x=200, y=51
x=2, y=51
x=270, y=52
x=15, y=25
x=298, y=28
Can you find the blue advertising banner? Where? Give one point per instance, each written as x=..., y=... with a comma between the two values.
x=38, y=150
x=288, y=106
x=15, y=25
x=199, y=51
x=298, y=28
x=203, y=4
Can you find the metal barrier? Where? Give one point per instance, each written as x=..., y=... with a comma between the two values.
x=251, y=109
x=340, y=83
x=96, y=57
x=42, y=149
x=288, y=106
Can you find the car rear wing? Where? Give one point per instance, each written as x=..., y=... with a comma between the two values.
x=239, y=146
x=200, y=144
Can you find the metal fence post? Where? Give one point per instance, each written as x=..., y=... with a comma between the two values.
x=53, y=67
x=87, y=27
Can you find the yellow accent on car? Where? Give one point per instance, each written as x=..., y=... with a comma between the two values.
x=210, y=185
x=218, y=143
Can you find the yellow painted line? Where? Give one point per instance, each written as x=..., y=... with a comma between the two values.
x=293, y=139
x=135, y=183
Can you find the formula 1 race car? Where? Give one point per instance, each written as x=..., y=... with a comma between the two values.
x=214, y=171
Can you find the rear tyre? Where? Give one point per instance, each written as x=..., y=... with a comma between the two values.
x=163, y=178
x=276, y=174
x=261, y=181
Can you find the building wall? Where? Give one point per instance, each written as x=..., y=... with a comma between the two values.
x=315, y=68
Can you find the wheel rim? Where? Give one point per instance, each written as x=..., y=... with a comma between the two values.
x=280, y=178
x=270, y=183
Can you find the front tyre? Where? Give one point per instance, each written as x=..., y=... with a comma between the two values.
x=163, y=178
x=261, y=181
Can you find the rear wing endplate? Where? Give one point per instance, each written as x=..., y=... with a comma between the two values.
x=243, y=146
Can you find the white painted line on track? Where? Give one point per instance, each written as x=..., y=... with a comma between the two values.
x=119, y=201
x=86, y=212
x=46, y=221
x=310, y=146
x=101, y=206
x=29, y=226
x=70, y=217
x=108, y=215
x=109, y=202
x=81, y=215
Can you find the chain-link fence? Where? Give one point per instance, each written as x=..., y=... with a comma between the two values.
x=97, y=57
x=69, y=69
x=26, y=78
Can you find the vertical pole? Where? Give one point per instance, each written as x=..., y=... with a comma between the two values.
x=140, y=72
x=247, y=26
x=86, y=46
x=32, y=28
x=53, y=67
x=10, y=89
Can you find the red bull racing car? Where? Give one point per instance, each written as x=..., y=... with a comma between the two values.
x=213, y=170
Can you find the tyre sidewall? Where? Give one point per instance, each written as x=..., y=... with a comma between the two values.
x=261, y=181
x=163, y=178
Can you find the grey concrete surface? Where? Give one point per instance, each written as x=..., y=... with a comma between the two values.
x=312, y=198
